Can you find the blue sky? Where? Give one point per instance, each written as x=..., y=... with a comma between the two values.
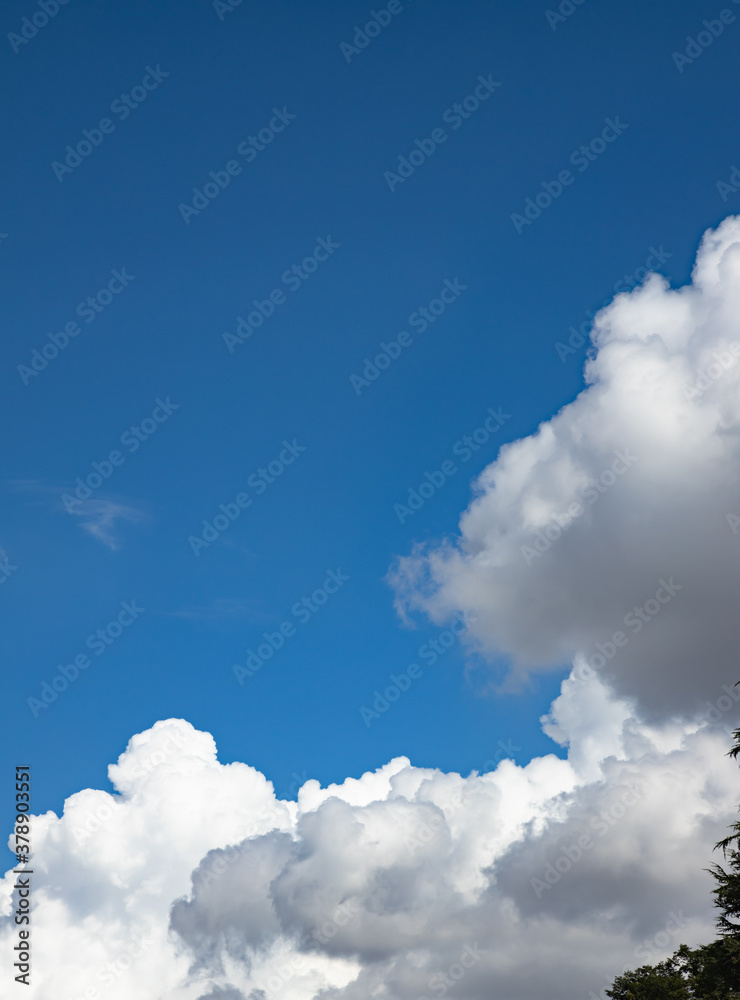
x=212, y=79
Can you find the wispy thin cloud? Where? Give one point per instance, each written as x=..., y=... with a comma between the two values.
x=224, y=610
x=99, y=517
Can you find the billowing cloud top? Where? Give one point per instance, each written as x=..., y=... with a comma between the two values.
x=193, y=882
x=621, y=513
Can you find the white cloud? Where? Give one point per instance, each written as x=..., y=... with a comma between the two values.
x=664, y=393
x=193, y=881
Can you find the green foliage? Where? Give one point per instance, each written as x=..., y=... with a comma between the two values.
x=727, y=893
x=712, y=971
x=663, y=981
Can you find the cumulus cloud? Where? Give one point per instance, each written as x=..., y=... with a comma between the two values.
x=192, y=881
x=616, y=516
